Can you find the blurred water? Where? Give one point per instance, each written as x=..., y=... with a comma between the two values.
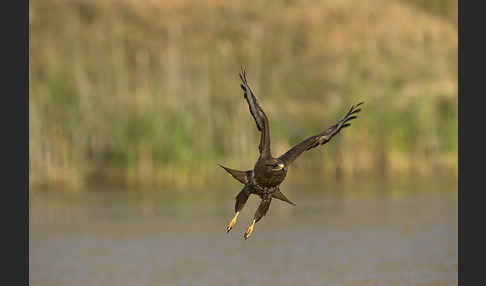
x=398, y=235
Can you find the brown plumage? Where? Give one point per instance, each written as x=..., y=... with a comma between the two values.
x=269, y=172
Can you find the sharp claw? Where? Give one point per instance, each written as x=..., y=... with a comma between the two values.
x=247, y=235
x=249, y=231
x=232, y=222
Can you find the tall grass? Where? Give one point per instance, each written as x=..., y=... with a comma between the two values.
x=146, y=93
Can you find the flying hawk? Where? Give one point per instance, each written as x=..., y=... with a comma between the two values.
x=269, y=172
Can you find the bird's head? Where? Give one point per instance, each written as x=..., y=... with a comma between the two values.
x=274, y=165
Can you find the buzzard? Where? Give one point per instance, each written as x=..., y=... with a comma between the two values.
x=269, y=172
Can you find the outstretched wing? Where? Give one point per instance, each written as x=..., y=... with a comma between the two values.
x=256, y=111
x=321, y=138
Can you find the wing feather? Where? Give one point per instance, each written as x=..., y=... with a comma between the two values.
x=321, y=138
x=258, y=114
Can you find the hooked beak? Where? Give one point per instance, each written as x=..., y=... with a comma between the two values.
x=280, y=167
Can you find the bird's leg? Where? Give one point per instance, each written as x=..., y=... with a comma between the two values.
x=241, y=199
x=232, y=222
x=260, y=212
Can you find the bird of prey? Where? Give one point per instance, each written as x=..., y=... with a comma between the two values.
x=269, y=172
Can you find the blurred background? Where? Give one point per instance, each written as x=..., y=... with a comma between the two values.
x=132, y=104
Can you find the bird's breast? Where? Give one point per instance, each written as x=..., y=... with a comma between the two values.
x=270, y=179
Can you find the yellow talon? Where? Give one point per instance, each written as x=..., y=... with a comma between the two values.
x=232, y=222
x=250, y=230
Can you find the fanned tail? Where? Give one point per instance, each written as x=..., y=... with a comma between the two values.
x=241, y=176
x=280, y=196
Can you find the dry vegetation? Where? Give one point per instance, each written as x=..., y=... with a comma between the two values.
x=146, y=92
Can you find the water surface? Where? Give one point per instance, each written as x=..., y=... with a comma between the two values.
x=386, y=234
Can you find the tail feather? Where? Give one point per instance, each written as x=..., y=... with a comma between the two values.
x=241, y=176
x=280, y=196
